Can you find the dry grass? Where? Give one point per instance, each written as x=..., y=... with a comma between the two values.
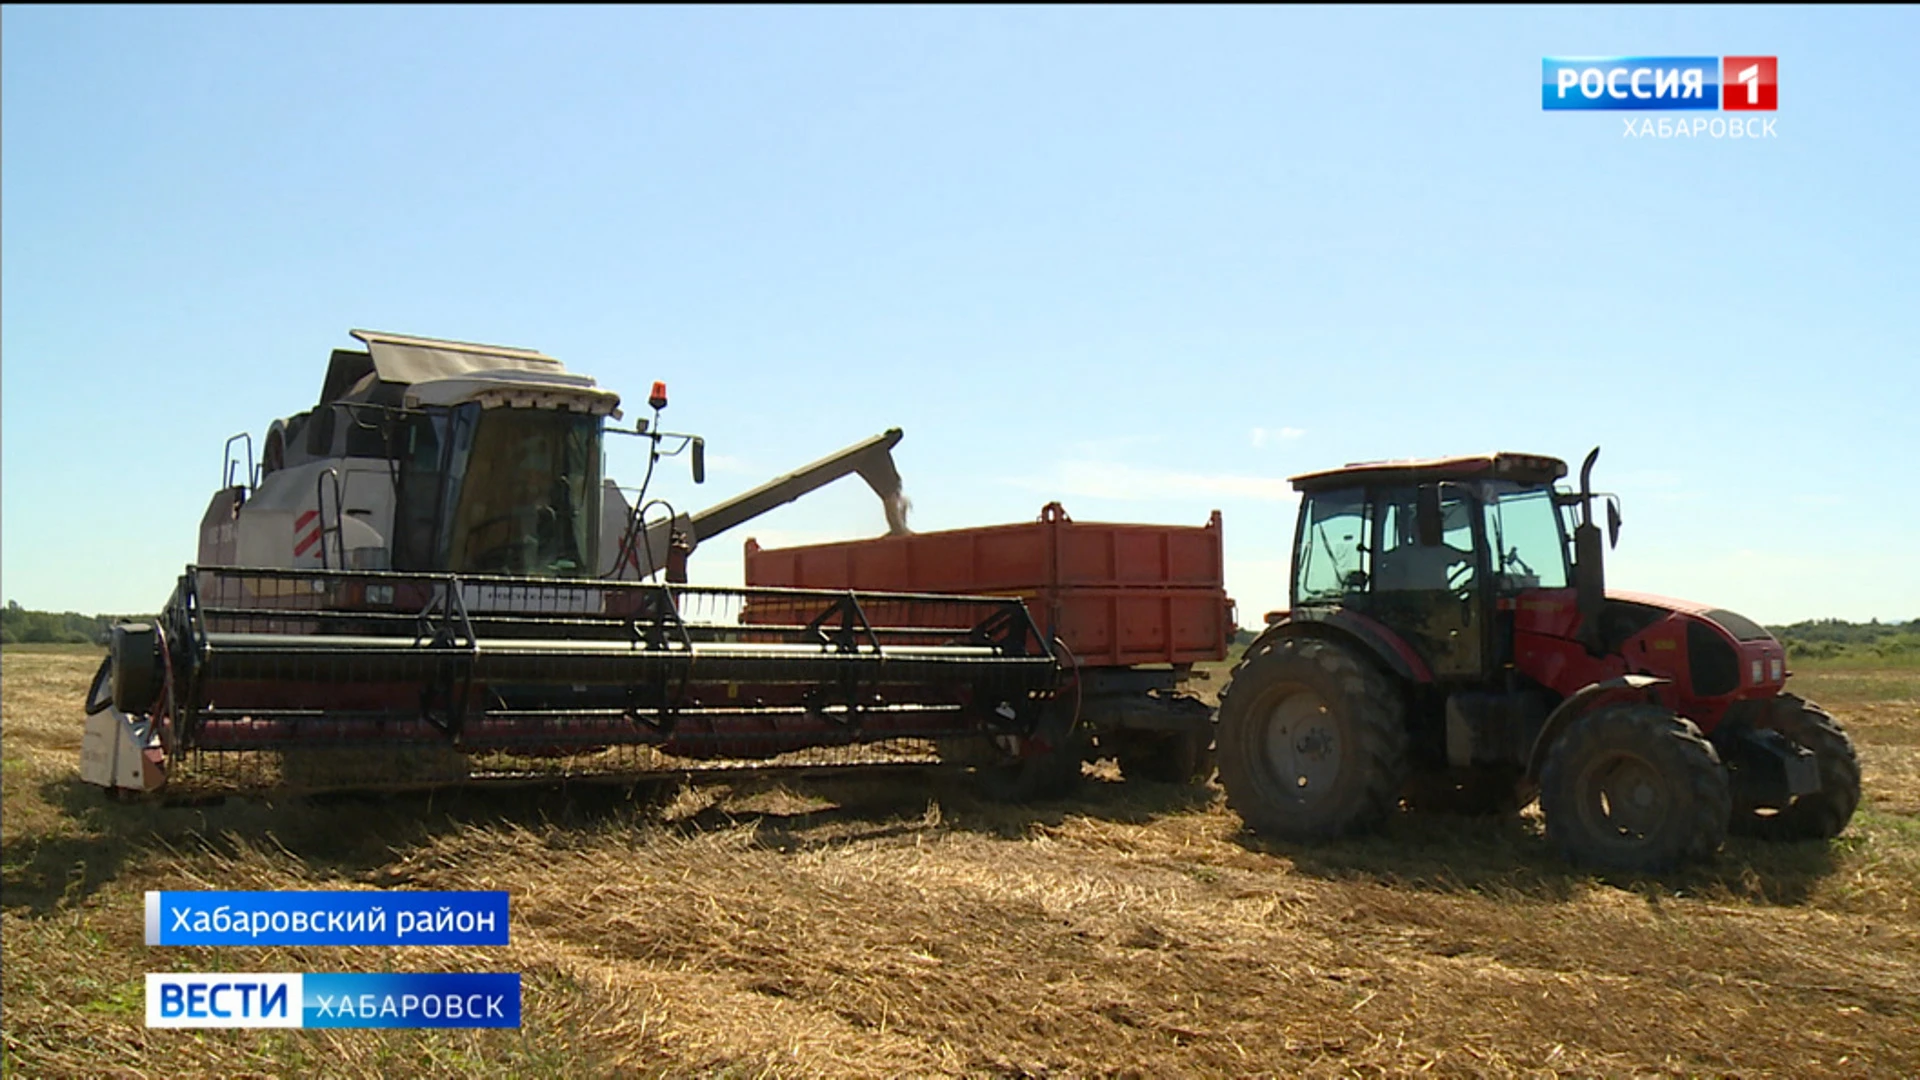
x=898, y=927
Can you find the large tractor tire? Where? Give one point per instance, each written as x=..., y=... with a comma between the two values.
x=1634, y=787
x=1818, y=815
x=1312, y=741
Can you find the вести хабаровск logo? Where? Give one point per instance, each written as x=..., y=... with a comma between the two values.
x=1721, y=83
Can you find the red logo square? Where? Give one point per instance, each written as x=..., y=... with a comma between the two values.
x=1750, y=83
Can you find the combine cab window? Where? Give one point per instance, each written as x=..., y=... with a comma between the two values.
x=1523, y=532
x=422, y=484
x=526, y=485
x=1331, y=561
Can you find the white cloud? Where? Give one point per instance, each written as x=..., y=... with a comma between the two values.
x=1264, y=435
x=1817, y=499
x=1113, y=445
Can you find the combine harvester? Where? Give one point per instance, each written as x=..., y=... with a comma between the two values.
x=427, y=580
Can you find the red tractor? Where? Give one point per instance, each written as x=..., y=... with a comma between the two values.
x=1451, y=642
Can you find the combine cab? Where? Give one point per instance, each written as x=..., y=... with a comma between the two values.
x=1451, y=642
x=429, y=581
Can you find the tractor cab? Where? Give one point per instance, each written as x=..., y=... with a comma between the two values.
x=1434, y=550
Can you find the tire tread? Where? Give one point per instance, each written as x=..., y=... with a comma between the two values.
x=1708, y=806
x=1377, y=724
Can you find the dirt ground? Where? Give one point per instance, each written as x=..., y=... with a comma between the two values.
x=897, y=926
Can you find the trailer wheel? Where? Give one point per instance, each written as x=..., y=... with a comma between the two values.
x=1019, y=771
x=1180, y=758
x=1312, y=741
x=1169, y=757
x=1818, y=815
x=1634, y=787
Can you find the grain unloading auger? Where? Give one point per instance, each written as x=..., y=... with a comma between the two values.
x=428, y=581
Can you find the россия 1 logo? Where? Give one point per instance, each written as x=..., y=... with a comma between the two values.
x=1729, y=83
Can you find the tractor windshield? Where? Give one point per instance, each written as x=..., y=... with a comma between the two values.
x=1523, y=530
x=524, y=485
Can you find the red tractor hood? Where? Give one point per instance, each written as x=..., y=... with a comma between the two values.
x=1738, y=626
x=1656, y=600
x=1711, y=657
x=1554, y=612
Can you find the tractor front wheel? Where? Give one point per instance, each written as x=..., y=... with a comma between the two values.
x=1818, y=815
x=1312, y=741
x=1634, y=787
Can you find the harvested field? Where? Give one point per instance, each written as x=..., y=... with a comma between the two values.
x=897, y=926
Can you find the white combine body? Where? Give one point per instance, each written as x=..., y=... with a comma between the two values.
x=461, y=435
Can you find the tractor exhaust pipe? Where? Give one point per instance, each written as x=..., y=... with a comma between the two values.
x=1589, y=572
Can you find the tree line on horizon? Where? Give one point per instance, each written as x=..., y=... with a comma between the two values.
x=20, y=625
x=1826, y=639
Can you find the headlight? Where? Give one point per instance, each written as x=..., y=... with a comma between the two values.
x=1778, y=668
x=1756, y=672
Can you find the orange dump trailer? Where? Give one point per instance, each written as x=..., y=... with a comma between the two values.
x=1136, y=606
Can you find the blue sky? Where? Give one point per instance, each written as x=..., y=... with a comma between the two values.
x=1148, y=262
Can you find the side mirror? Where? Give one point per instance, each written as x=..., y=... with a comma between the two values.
x=1426, y=516
x=1613, y=524
x=700, y=460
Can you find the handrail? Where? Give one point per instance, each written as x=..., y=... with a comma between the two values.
x=228, y=461
x=320, y=508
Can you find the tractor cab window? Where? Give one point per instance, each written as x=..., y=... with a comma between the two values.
x=1404, y=563
x=1523, y=534
x=1331, y=560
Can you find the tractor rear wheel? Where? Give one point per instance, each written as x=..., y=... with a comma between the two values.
x=1634, y=787
x=1818, y=815
x=1312, y=741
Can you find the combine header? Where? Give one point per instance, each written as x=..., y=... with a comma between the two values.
x=428, y=581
